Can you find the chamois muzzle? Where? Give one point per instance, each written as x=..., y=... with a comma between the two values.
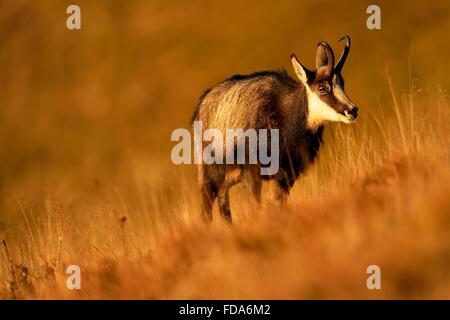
x=352, y=113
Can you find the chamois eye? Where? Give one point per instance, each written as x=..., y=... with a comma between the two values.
x=324, y=89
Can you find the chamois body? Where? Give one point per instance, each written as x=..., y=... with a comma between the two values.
x=263, y=100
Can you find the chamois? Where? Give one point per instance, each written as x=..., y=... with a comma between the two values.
x=273, y=100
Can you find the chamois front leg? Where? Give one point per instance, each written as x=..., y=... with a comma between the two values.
x=281, y=193
x=253, y=186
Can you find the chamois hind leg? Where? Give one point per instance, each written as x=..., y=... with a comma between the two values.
x=256, y=187
x=208, y=197
x=224, y=204
x=208, y=190
x=232, y=177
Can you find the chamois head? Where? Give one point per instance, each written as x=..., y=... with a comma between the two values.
x=327, y=100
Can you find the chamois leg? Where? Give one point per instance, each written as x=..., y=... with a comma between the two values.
x=208, y=190
x=254, y=185
x=224, y=204
x=281, y=192
x=232, y=177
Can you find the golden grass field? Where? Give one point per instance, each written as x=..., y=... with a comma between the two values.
x=86, y=176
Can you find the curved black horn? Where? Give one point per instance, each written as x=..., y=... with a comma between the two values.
x=342, y=59
x=324, y=57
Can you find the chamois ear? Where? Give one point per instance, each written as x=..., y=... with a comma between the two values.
x=301, y=72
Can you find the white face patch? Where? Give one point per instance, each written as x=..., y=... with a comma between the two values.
x=319, y=112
